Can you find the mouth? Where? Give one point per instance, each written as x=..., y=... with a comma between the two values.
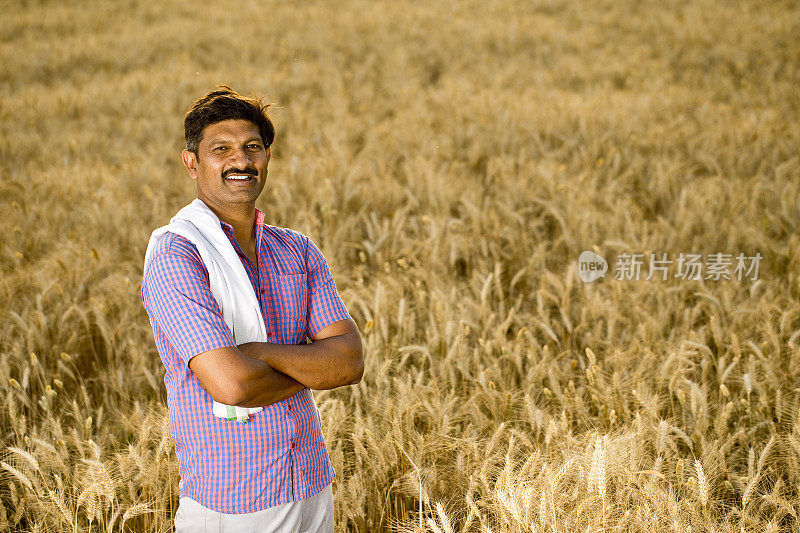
x=240, y=178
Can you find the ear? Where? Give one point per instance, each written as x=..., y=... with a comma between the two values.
x=190, y=162
x=269, y=155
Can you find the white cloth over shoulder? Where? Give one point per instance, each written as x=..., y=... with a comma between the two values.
x=227, y=279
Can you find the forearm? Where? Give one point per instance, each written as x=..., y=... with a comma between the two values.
x=261, y=384
x=323, y=364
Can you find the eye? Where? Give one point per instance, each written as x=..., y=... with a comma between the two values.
x=254, y=146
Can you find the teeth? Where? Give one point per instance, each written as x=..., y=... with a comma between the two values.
x=238, y=177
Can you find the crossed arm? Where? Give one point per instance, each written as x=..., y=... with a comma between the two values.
x=262, y=373
x=177, y=295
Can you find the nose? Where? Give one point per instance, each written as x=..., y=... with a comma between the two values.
x=240, y=158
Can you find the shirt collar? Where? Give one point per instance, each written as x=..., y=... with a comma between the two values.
x=259, y=220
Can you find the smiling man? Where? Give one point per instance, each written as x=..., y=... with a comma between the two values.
x=272, y=473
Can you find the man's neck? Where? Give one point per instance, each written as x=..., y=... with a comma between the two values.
x=241, y=217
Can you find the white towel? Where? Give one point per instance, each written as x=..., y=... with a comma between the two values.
x=227, y=278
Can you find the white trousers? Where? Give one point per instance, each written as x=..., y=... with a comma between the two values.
x=311, y=515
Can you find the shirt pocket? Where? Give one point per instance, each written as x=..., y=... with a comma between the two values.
x=293, y=297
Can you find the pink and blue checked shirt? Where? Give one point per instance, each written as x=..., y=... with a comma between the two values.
x=279, y=455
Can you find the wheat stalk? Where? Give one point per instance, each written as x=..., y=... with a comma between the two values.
x=597, y=473
x=702, y=482
x=22, y=478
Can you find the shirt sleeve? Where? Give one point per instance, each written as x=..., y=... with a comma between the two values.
x=178, y=298
x=325, y=306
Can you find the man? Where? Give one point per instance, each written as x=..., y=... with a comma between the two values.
x=272, y=473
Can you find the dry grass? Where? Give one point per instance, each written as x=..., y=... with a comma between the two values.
x=451, y=160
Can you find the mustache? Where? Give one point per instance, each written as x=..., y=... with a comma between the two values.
x=248, y=171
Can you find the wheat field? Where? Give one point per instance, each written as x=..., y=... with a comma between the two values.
x=451, y=160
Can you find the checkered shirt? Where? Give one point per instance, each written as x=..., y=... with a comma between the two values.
x=279, y=455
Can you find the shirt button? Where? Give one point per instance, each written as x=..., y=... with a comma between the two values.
x=269, y=334
x=294, y=445
x=263, y=291
x=289, y=407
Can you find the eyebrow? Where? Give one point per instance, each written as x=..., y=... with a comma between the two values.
x=225, y=141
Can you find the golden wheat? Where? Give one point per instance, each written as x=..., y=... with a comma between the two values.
x=451, y=160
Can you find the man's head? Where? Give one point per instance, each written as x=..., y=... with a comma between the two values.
x=228, y=138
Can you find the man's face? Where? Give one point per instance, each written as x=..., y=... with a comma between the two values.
x=230, y=166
